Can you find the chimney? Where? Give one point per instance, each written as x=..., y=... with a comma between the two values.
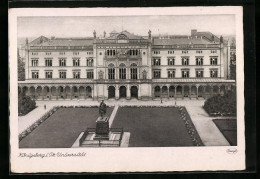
x=94, y=34
x=193, y=32
x=52, y=37
x=104, y=33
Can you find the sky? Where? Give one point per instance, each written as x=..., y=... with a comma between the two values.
x=140, y=25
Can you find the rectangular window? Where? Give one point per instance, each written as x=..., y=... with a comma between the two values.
x=34, y=53
x=111, y=73
x=34, y=62
x=213, y=51
x=157, y=74
x=171, y=74
x=170, y=52
x=76, y=62
x=213, y=73
x=76, y=74
x=185, y=73
x=199, y=51
x=35, y=75
x=90, y=62
x=75, y=53
x=62, y=53
x=156, y=52
x=48, y=74
x=199, y=73
x=213, y=60
x=199, y=61
x=157, y=61
x=48, y=62
x=185, y=51
x=90, y=74
x=171, y=61
x=62, y=62
x=48, y=53
x=63, y=74
x=185, y=61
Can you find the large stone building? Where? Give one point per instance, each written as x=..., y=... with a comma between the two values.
x=125, y=65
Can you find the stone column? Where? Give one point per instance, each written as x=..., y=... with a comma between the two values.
x=64, y=92
x=152, y=93
x=211, y=92
x=175, y=94
x=218, y=89
x=57, y=92
x=182, y=92
x=117, y=92
x=190, y=92
x=168, y=88
x=128, y=94
x=93, y=89
x=161, y=92
x=197, y=92
x=71, y=88
x=204, y=90
x=85, y=92
x=78, y=92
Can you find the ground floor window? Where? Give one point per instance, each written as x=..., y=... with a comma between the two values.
x=157, y=74
x=199, y=73
x=35, y=74
x=76, y=74
x=90, y=74
x=185, y=73
x=171, y=74
x=213, y=73
x=63, y=74
x=48, y=74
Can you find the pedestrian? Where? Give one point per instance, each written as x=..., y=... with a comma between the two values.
x=44, y=106
x=175, y=103
x=161, y=100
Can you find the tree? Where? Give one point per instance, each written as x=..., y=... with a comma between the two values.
x=233, y=67
x=25, y=104
x=222, y=105
x=21, y=68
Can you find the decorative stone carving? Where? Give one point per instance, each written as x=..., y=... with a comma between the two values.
x=100, y=74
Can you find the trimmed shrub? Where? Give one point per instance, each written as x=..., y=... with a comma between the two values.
x=25, y=105
x=221, y=105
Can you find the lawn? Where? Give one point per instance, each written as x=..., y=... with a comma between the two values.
x=153, y=126
x=62, y=128
x=228, y=127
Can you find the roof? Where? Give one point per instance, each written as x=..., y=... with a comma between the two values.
x=67, y=42
x=207, y=35
x=38, y=40
x=127, y=34
x=180, y=41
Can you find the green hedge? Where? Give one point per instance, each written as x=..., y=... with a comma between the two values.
x=25, y=105
x=221, y=105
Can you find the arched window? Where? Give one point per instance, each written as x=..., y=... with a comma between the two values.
x=122, y=71
x=133, y=71
x=111, y=71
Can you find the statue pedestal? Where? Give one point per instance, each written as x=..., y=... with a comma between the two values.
x=102, y=128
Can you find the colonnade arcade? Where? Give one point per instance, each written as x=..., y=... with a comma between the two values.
x=57, y=92
x=190, y=91
x=123, y=91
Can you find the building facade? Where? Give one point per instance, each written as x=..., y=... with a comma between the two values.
x=125, y=65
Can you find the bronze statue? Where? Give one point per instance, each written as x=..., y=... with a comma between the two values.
x=102, y=108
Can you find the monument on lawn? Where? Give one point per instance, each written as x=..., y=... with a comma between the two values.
x=102, y=123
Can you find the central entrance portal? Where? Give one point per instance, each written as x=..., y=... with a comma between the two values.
x=111, y=92
x=122, y=92
x=134, y=92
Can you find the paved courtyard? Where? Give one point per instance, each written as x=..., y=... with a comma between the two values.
x=209, y=133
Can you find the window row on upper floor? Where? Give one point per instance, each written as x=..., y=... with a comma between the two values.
x=62, y=62
x=62, y=53
x=199, y=61
x=185, y=73
x=157, y=52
